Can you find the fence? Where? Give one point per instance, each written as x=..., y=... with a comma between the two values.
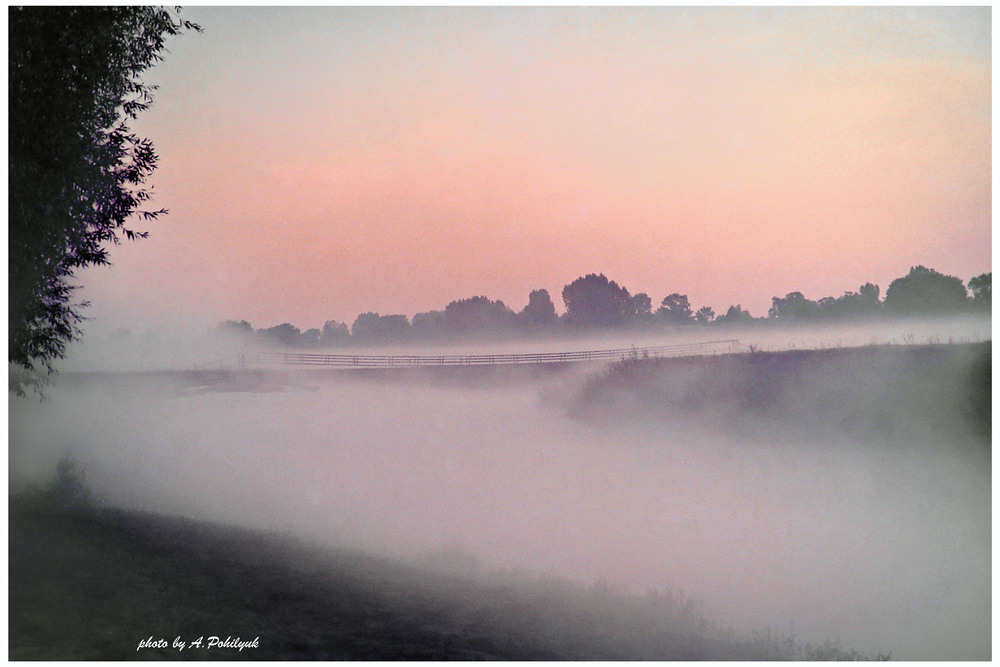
x=423, y=360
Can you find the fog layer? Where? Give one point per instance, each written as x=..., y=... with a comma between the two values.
x=886, y=548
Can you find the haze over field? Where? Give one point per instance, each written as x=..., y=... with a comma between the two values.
x=884, y=544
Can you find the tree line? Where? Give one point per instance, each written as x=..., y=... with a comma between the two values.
x=593, y=303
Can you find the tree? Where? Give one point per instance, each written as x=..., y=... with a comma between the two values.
x=375, y=328
x=704, y=315
x=595, y=301
x=309, y=338
x=735, y=315
x=477, y=315
x=540, y=313
x=334, y=333
x=869, y=295
x=283, y=334
x=642, y=308
x=429, y=325
x=862, y=303
x=980, y=286
x=234, y=328
x=924, y=291
x=675, y=309
x=795, y=306
x=77, y=172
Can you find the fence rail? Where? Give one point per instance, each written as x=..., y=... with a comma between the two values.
x=422, y=360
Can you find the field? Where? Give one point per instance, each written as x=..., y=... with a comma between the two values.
x=800, y=504
x=93, y=586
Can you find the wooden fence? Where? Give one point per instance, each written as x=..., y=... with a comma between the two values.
x=422, y=360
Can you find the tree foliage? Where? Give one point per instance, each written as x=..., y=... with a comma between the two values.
x=981, y=287
x=924, y=291
x=540, y=311
x=477, y=314
x=595, y=301
x=675, y=309
x=77, y=172
x=704, y=315
x=735, y=315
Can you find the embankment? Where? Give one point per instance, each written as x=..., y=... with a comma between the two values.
x=885, y=393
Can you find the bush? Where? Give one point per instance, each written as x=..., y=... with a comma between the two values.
x=68, y=491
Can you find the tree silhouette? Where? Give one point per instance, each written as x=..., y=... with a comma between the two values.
x=924, y=291
x=428, y=325
x=642, y=308
x=794, y=306
x=540, y=313
x=334, y=333
x=283, y=334
x=241, y=328
x=704, y=315
x=77, y=172
x=675, y=309
x=735, y=315
x=595, y=301
x=981, y=288
x=477, y=315
x=375, y=328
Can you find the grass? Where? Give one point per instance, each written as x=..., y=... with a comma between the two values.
x=91, y=584
x=874, y=393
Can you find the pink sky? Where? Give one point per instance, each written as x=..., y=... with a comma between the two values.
x=323, y=162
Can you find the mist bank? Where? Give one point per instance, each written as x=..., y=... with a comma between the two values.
x=196, y=347
x=886, y=546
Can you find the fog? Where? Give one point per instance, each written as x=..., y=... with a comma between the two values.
x=886, y=548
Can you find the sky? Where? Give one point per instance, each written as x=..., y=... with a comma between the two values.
x=322, y=162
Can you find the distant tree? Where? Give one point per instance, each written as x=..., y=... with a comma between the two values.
x=310, y=338
x=869, y=295
x=231, y=327
x=862, y=303
x=334, y=334
x=826, y=307
x=477, y=315
x=704, y=315
x=675, y=309
x=282, y=334
x=429, y=325
x=735, y=315
x=981, y=289
x=595, y=301
x=396, y=327
x=378, y=329
x=924, y=291
x=642, y=308
x=794, y=306
x=77, y=172
x=540, y=313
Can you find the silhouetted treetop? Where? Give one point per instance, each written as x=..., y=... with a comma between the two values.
x=477, y=314
x=595, y=301
x=675, y=309
x=735, y=315
x=540, y=311
x=375, y=328
x=981, y=288
x=925, y=291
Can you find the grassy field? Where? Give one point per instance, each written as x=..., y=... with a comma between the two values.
x=92, y=584
x=879, y=394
